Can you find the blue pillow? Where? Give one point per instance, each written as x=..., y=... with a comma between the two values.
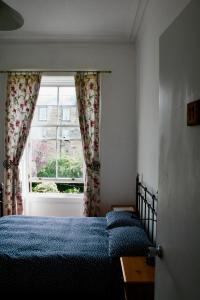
x=122, y=218
x=128, y=241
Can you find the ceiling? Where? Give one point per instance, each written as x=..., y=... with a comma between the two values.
x=77, y=20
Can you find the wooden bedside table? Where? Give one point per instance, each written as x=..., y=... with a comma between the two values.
x=123, y=208
x=138, y=278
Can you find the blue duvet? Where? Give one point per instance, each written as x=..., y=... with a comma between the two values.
x=57, y=254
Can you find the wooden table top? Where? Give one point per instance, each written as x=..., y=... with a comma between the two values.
x=136, y=270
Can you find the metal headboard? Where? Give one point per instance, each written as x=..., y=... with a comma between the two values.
x=1, y=199
x=146, y=207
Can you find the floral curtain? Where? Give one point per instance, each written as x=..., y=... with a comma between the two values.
x=87, y=92
x=22, y=93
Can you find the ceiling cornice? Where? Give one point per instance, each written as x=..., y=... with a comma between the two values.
x=142, y=4
x=27, y=38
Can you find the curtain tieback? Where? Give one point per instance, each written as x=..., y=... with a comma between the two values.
x=8, y=164
x=94, y=166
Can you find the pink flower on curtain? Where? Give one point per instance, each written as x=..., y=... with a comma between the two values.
x=22, y=93
x=87, y=92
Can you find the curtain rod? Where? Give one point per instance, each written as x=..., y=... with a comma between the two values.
x=56, y=71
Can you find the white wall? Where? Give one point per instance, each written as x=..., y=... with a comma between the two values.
x=118, y=144
x=177, y=276
x=158, y=16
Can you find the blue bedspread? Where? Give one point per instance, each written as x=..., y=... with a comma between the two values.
x=56, y=254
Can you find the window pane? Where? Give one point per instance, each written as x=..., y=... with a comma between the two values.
x=70, y=159
x=73, y=148
x=42, y=113
x=68, y=115
x=43, y=160
x=69, y=133
x=47, y=96
x=67, y=96
x=43, y=133
x=52, y=115
x=47, y=115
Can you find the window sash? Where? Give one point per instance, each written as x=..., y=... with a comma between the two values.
x=57, y=139
x=57, y=180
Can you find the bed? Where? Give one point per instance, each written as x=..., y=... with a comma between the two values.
x=75, y=256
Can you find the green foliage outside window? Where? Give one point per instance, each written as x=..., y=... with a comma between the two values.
x=68, y=167
x=51, y=187
x=46, y=187
x=73, y=189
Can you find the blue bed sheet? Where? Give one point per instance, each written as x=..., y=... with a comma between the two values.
x=57, y=254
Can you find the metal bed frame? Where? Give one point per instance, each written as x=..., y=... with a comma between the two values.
x=1, y=199
x=146, y=208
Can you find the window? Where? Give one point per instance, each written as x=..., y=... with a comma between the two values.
x=65, y=114
x=42, y=113
x=55, y=156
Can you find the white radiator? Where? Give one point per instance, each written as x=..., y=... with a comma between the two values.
x=51, y=204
